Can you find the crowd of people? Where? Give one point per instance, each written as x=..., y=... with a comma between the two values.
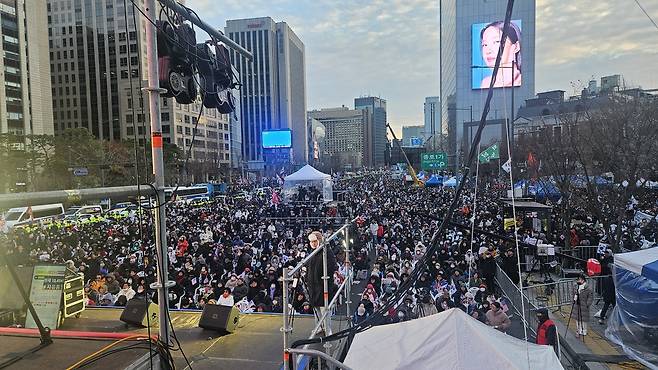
x=232, y=250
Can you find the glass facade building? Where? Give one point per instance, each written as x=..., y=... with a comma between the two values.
x=457, y=95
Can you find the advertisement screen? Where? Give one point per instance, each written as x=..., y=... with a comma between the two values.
x=485, y=39
x=277, y=139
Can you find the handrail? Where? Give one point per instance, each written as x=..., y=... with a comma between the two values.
x=329, y=307
x=319, y=249
x=287, y=277
x=326, y=357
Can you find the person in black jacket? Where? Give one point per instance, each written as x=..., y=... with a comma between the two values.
x=510, y=266
x=488, y=267
x=314, y=273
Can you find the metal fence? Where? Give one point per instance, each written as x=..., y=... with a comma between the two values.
x=560, y=293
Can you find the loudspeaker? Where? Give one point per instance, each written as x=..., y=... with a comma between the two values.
x=219, y=318
x=136, y=312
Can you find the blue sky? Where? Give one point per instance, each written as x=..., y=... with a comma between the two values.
x=389, y=48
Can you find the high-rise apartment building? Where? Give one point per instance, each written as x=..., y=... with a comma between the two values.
x=25, y=77
x=273, y=91
x=345, y=136
x=466, y=65
x=97, y=52
x=376, y=132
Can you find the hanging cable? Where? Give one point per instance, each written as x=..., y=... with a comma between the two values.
x=475, y=200
x=379, y=315
x=509, y=125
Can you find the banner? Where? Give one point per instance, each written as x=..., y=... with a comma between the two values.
x=46, y=295
x=490, y=153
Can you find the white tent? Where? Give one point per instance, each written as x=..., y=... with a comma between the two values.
x=309, y=176
x=447, y=340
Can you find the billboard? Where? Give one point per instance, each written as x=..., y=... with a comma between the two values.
x=277, y=139
x=485, y=42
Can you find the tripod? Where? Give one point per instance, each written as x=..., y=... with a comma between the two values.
x=543, y=271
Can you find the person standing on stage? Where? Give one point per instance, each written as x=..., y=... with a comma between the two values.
x=315, y=272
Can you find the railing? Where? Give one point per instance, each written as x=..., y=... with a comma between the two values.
x=319, y=354
x=325, y=318
x=560, y=293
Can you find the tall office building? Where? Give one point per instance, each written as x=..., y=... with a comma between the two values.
x=465, y=65
x=345, y=136
x=273, y=91
x=376, y=133
x=432, y=114
x=25, y=97
x=96, y=50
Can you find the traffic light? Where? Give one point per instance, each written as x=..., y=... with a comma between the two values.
x=175, y=61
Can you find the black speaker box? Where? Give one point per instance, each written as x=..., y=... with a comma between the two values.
x=219, y=318
x=136, y=311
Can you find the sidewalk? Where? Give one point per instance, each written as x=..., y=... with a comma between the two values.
x=593, y=347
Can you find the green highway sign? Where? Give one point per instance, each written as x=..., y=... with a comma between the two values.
x=433, y=161
x=490, y=153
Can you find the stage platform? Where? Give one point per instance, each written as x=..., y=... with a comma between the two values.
x=257, y=343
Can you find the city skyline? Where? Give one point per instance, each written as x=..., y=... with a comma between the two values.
x=358, y=49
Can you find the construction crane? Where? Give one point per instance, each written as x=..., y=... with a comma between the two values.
x=417, y=181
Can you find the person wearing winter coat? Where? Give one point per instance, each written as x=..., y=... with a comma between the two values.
x=583, y=301
x=498, y=319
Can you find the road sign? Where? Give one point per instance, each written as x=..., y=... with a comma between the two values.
x=416, y=141
x=82, y=171
x=433, y=161
x=490, y=153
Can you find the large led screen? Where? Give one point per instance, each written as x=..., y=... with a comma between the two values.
x=277, y=139
x=485, y=38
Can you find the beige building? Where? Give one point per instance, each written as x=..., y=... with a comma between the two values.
x=25, y=99
x=345, y=137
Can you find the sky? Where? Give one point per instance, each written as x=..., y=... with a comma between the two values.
x=390, y=48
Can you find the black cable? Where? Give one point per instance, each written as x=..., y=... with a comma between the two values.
x=379, y=315
x=180, y=348
x=135, y=133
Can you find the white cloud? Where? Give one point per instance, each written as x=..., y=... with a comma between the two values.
x=390, y=47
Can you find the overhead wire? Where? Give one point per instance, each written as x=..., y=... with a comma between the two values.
x=509, y=125
x=646, y=13
x=379, y=315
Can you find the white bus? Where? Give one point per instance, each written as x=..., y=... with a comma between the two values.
x=24, y=215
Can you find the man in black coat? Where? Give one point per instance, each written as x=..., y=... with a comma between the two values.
x=315, y=271
x=510, y=265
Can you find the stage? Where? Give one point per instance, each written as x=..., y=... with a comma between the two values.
x=256, y=344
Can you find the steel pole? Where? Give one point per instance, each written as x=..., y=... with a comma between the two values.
x=511, y=126
x=348, y=287
x=325, y=294
x=162, y=284
x=286, y=313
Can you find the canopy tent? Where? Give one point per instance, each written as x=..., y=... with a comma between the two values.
x=634, y=321
x=434, y=181
x=308, y=176
x=451, y=182
x=450, y=338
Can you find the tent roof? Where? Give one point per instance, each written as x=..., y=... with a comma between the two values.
x=643, y=262
x=450, y=338
x=434, y=180
x=308, y=173
x=527, y=204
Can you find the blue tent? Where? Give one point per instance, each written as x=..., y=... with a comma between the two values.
x=434, y=181
x=634, y=320
x=544, y=189
x=451, y=182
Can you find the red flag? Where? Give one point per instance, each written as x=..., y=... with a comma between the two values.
x=275, y=198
